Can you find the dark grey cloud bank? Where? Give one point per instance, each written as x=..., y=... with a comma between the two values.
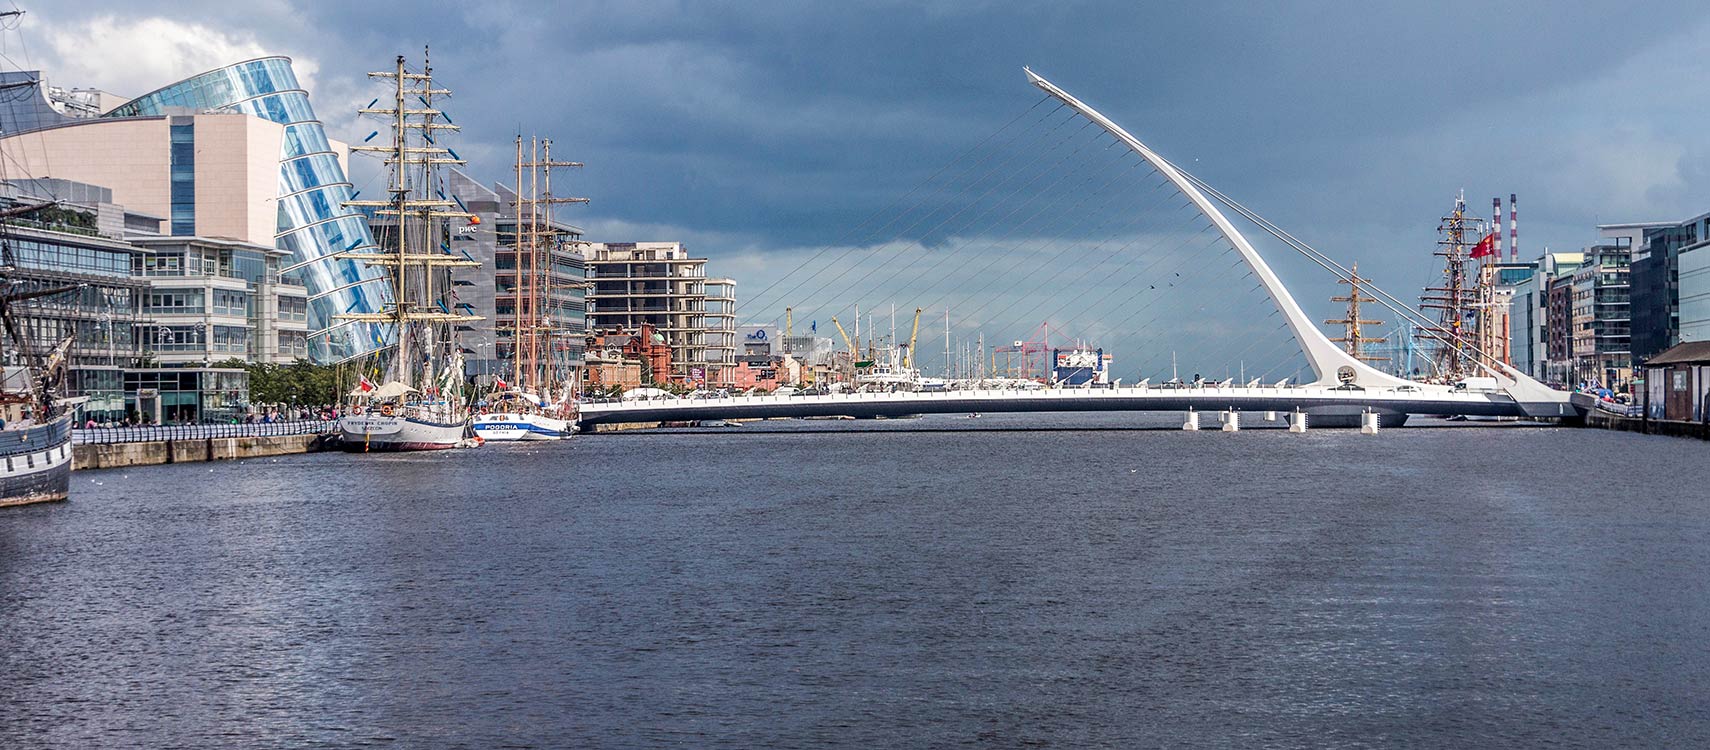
x=758, y=129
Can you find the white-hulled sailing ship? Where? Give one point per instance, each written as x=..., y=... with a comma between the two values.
x=415, y=400
x=539, y=401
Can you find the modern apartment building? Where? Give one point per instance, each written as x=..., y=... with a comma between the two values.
x=656, y=284
x=1695, y=293
x=210, y=300
x=1600, y=317
x=721, y=332
x=75, y=244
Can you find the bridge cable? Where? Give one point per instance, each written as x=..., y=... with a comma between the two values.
x=918, y=188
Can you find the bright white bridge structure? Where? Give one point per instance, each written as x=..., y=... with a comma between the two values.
x=1344, y=388
x=1324, y=406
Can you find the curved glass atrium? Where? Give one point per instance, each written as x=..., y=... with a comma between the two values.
x=313, y=221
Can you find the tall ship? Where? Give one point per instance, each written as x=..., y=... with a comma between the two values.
x=410, y=395
x=35, y=441
x=538, y=401
x=1453, y=298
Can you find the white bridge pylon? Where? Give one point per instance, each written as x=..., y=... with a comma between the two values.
x=1329, y=363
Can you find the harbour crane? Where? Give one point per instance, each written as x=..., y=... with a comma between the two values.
x=908, y=357
x=845, y=335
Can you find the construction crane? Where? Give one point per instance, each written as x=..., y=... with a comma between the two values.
x=908, y=357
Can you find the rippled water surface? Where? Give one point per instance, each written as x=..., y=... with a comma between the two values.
x=877, y=585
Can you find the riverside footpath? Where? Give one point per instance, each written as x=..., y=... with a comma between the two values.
x=115, y=447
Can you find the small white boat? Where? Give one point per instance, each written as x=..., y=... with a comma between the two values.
x=512, y=427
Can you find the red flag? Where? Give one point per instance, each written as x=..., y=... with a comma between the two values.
x=500, y=382
x=365, y=384
x=1485, y=247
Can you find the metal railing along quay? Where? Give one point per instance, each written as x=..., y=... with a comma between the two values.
x=154, y=433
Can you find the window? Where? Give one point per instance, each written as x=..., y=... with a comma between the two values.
x=183, y=179
x=231, y=339
x=229, y=302
x=190, y=338
x=173, y=301
x=293, y=309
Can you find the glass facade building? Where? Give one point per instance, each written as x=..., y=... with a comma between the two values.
x=313, y=223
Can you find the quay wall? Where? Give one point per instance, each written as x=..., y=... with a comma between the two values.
x=115, y=455
x=1670, y=427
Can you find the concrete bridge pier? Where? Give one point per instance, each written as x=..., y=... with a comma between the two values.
x=1231, y=421
x=1297, y=421
x=1192, y=422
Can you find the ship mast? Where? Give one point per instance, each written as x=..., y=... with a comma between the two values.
x=538, y=241
x=1455, y=299
x=1353, y=340
x=412, y=160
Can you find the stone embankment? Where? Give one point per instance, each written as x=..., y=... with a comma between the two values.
x=190, y=450
x=1671, y=427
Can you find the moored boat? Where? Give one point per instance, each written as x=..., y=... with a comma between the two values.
x=514, y=427
x=420, y=404
x=35, y=462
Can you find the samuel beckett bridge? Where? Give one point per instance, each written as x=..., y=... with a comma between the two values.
x=1063, y=216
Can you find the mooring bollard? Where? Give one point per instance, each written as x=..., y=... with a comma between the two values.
x=1297, y=421
x=1231, y=421
x=1270, y=416
x=1369, y=423
x=1192, y=422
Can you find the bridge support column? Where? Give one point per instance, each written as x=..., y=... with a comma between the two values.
x=1297, y=422
x=1192, y=422
x=1369, y=423
x=1231, y=421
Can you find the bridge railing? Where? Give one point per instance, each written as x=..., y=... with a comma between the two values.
x=1207, y=392
x=154, y=433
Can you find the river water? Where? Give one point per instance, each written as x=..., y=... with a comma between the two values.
x=1037, y=581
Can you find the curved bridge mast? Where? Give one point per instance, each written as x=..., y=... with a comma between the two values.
x=1328, y=361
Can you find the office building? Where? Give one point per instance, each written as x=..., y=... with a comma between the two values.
x=234, y=154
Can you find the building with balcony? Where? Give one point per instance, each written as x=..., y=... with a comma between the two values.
x=1600, y=317
x=68, y=244
x=721, y=349
x=237, y=154
x=210, y=300
x=1695, y=293
x=655, y=284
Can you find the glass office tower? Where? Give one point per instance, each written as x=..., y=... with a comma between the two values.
x=314, y=224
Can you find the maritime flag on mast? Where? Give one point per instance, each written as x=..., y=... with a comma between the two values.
x=364, y=384
x=1485, y=247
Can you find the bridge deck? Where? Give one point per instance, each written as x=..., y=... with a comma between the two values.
x=1312, y=400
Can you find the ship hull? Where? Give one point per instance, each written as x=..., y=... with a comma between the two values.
x=368, y=433
x=35, y=464
x=504, y=427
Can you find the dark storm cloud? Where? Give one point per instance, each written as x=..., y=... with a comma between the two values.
x=765, y=127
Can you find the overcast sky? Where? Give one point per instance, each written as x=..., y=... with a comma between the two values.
x=756, y=129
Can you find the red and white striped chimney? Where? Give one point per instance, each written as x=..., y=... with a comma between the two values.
x=1496, y=224
x=1513, y=227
